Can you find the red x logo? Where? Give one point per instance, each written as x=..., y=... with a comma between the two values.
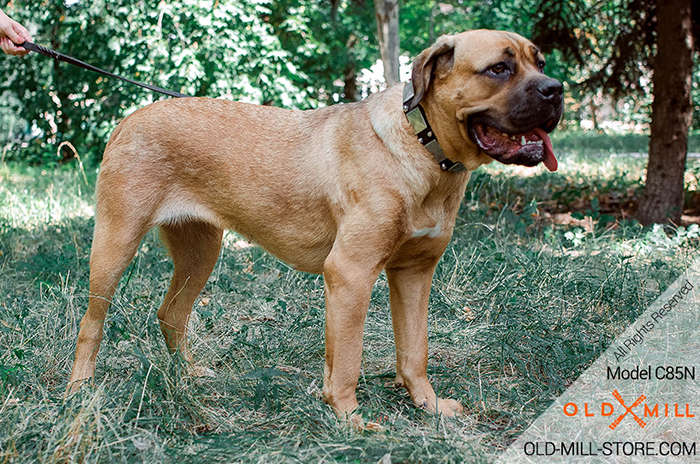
x=639, y=401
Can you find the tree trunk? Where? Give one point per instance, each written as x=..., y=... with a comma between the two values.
x=671, y=114
x=387, y=12
x=594, y=114
x=350, y=78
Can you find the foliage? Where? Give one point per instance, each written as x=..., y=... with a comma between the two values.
x=325, y=40
x=612, y=41
x=423, y=21
x=291, y=53
x=203, y=48
x=607, y=47
x=695, y=92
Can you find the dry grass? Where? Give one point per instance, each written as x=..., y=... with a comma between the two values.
x=520, y=305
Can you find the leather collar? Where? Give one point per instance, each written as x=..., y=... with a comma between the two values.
x=421, y=127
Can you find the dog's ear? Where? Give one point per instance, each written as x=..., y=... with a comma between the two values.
x=437, y=59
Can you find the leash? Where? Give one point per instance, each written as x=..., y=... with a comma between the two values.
x=70, y=60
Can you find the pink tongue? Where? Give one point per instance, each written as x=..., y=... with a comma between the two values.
x=549, y=159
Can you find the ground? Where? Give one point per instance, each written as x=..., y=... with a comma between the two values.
x=527, y=295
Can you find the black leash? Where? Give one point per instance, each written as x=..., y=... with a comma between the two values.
x=70, y=60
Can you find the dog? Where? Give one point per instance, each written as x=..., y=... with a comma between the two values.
x=345, y=191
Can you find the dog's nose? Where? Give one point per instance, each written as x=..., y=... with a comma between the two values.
x=550, y=88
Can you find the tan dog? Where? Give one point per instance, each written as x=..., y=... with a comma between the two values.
x=345, y=191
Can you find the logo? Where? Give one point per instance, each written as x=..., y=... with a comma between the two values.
x=608, y=409
x=638, y=401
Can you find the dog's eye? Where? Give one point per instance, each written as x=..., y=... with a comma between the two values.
x=540, y=65
x=499, y=68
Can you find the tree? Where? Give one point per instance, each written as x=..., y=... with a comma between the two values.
x=387, y=13
x=671, y=114
x=621, y=41
x=331, y=41
x=229, y=50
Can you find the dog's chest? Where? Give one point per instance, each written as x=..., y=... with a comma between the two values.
x=434, y=217
x=430, y=221
x=429, y=232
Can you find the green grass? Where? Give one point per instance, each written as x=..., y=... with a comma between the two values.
x=521, y=304
x=591, y=142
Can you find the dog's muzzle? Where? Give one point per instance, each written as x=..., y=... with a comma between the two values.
x=521, y=136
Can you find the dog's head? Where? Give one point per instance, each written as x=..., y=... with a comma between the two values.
x=486, y=92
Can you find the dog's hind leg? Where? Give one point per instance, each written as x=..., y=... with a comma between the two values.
x=113, y=247
x=194, y=247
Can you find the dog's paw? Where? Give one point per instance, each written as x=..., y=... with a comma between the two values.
x=450, y=408
x=357, y=422
x=445, y=406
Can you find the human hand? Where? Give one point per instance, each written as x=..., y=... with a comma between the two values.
x=12, y=34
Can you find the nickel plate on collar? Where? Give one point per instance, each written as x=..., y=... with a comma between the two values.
x=408, y=95
x=415, y=117
x=421, y=128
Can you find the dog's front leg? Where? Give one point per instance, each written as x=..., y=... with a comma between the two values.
x=409, y=289
x=349, y=274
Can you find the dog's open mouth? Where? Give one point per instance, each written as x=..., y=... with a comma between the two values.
x=528, y=148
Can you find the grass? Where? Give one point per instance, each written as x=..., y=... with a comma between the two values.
x=591, y=142
x=526, y=296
